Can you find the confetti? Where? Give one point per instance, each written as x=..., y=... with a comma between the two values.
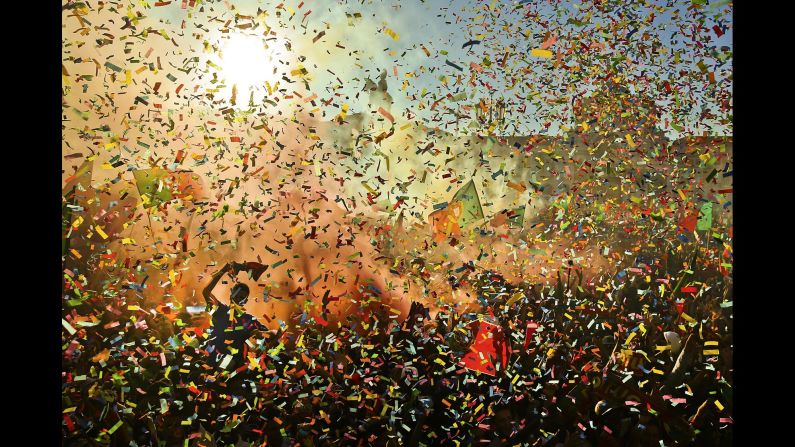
x=285, y=223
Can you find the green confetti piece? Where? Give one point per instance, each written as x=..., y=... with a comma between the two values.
x=113, y=67
x=115, y=427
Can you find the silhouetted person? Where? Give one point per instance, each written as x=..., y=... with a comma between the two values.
x=231, y=325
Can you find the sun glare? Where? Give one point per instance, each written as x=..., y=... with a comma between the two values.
x=247, y=62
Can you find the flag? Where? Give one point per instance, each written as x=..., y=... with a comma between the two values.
x=471, y=211
x=151, y=186
x=446, y=221
x=705, y=217
x=462, y=210
x=488, y=347
x=532, y=326
x=516, y=219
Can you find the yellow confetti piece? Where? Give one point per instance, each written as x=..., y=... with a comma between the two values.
x=711, y=352
x=392, y=34
x=300, y=71
x=295, y=230
x=368, y=187
x=537, y=52
x=630, y=141
x=719, y=405
x=344, y=111
x=100, y=232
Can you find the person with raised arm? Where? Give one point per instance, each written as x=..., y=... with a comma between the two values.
x=231, y=325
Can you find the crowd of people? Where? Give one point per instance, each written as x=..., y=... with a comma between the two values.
x=638, y=363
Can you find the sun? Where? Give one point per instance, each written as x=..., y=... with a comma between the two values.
x=247, y=62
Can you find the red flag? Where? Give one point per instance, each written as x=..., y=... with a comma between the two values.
x=531, y=330
x=489, y=346
x=689, y=222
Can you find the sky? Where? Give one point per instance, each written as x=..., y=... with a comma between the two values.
x=442, y=29
x=145, y=80
x=150, y=85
